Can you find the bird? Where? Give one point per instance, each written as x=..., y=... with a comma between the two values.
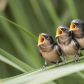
x=77, y=28
x=67, y=43
x=48, y=49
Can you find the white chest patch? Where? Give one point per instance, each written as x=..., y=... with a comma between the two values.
x=69, y=49
x=81, y=42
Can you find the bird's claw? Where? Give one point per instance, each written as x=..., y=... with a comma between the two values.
x=64, y=63
x=75, y=59
x=78, y=58
x=57, y=64
x=43, y=67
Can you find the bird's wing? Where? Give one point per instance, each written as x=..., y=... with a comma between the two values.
x=58, y=50
x=77, y=46
x=39, y=51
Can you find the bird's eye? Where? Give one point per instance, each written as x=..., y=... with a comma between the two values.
x=76, y=23
x=64, y=29
x=46, y=36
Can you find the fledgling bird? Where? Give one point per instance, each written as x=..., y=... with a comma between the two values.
x=48, y=49
x=67, y=43
x=77, y=28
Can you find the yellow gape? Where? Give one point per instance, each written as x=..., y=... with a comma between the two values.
x=59, y=32
x=72, y=26
x=41, y=39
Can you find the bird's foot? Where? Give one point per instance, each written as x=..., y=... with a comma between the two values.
x=43, y=67
x=75, y=59
x=57, y=64
x=64, y=63
x=78, y=58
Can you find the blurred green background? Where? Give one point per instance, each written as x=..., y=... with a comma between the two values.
x=36, y=16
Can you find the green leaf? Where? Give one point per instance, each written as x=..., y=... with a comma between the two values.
x=72, y=8
x=52, y=12
x=39, y=14
x=14, y=62
x=56, y=73
x=46, y=76
x=21, y=28
x=52, y=66
x=79, y=73
x=2, y=58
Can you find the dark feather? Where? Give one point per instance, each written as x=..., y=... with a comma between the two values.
x=76, y=44
x=59, y=50
x=59, y=40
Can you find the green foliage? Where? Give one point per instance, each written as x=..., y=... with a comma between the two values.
x=45, y=76
x=20, y=24
x=14, y=62
x=30, y=34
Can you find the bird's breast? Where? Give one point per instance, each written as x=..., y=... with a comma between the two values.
x=51, y=56
x=69, y=49
x=80, y=41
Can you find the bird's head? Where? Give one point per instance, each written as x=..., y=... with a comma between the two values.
x=44, y=39
x=62, y=31
x=76, y=25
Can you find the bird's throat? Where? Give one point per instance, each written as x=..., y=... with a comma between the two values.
x=65, y=40
x=46, y=48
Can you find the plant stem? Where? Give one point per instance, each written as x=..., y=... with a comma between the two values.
x=53, y=66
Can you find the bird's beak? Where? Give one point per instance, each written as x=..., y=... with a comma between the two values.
x=72, y=26
x=59, y=32
x=41, y=39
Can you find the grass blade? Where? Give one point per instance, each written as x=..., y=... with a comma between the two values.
x=39, y=70
x=24, y=22
x=49, y=67
x=72, y=8
x=2, y=58
x=79, y=73
x=46, y=76
x=56, y=73
x=52, y=12
x=21, y=28
x=39, y=15
x=11, y=60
